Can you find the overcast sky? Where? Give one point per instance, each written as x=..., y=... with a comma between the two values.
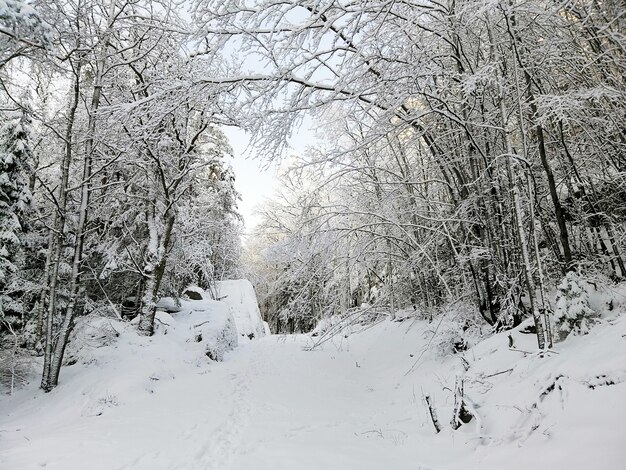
x=253, y=181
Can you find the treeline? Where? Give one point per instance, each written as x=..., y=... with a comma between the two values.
x=475, y=153
x=114, y=187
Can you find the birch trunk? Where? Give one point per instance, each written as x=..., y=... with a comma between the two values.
x=85, y=190
x=540, y=139
x=530, y=282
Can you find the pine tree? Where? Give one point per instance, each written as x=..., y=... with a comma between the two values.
x=14, y=199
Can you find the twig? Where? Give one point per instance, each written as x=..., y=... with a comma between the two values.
x=162, y=322
x=540, y=351
x=443, y=315
x=498, y=373
x=111, y=304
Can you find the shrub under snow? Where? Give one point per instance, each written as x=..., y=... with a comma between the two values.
x=213, y=326
x=572, y=313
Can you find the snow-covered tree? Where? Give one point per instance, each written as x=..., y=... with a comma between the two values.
x=207, y=245
x=15, y=154
x=572, y=312
x=22, y=30
x=129, y=146
x=458, y=130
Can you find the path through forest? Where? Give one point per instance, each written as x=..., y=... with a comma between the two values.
x=281, y=407
x=270, y=405
x=158, y=404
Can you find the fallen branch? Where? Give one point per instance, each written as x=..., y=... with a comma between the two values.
x=498, y=373
x=433, y=414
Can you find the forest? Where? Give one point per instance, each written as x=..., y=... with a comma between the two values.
x=468, y=172
x=474, y=155
x=114, y=186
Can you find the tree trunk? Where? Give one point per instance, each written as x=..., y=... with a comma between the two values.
x=530, y=99
x=530, y=283
x=558, y=209
x=154, y=272
x=57, y=236
x=70, y=311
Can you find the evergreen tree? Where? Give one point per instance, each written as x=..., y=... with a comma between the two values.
x=14, y=199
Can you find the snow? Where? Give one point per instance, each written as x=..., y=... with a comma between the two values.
x=240, y=295
x=168, y=304
x=114, y=370
x=348, y=404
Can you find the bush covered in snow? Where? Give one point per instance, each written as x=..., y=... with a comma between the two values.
x=90, y=332
x=457, y=333
x=573, y=313
x=215, y=328
x=15, y=363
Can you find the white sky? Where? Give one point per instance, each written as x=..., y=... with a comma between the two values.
x=254, y=182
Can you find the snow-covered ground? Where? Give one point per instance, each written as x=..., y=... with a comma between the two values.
x=351, y=403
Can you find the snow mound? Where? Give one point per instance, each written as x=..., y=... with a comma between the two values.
x=212, y=325
x=240, y=295
x=108, y=364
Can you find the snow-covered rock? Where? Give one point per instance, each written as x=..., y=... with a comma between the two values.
x=240, y=295
x=168, y=304
x=194, y=293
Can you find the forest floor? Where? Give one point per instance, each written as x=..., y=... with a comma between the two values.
x=350, y=403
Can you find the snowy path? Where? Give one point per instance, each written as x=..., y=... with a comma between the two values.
x=347, y=406
x=286, y=409
x=293, y=409
x=270, y=405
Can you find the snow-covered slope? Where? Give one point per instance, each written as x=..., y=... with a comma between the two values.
x=352, y=403
x=560, y=410
x=111, y=370
x=240, y=295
